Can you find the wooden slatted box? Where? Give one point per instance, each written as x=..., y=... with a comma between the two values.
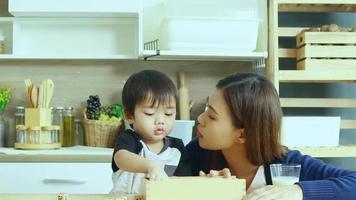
x=326, y=51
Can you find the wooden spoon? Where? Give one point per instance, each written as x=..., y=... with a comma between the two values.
x=34, y=96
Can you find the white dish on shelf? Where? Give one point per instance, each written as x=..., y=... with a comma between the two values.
x=206, y=34
x=183, y=129
x=305, y=131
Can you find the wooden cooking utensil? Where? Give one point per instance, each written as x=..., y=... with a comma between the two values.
x=183, y=97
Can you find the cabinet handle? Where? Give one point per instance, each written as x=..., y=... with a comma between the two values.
x=63, y=181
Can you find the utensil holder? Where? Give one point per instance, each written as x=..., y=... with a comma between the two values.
x=37, y=117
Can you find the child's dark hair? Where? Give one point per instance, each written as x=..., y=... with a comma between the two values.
x=147, y=85
x=254, y=104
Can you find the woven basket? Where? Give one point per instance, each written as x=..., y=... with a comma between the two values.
x=100, y=133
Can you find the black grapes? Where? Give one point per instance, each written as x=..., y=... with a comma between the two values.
x=93, y=107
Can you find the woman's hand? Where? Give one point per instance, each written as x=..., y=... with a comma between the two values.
x=292, y=192
x=224, y=172
x=156, y=172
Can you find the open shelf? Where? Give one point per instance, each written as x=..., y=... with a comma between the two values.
x=203, y=55
x=187, y=42
x=6, y=30
x=320, y=57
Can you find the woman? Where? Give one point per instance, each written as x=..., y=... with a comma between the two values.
x=239, y=134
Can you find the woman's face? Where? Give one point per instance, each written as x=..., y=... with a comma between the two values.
x=216, y=130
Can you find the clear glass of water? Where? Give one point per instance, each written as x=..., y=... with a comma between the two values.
x=285, y=174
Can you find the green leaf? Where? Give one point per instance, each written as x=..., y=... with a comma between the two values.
x=4, y=97
x=117, y=110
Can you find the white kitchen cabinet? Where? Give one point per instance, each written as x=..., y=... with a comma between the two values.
x=205, y=30
x=76, y=170
x=76, y=38
x=120, y=29
x=73, y=8
x=76, y=178
x=52, y=29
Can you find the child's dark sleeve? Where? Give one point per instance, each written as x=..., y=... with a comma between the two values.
x=184, y=166
x=125, y=140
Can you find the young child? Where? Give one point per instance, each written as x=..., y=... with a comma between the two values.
x=145, y=151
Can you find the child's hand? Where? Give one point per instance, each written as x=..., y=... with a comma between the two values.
x=156, y=172
x=224, y=172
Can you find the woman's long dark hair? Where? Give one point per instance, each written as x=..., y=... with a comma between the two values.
x=255, y=107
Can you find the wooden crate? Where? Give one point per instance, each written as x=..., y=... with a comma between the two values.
x=193, y=188
x=326, y=51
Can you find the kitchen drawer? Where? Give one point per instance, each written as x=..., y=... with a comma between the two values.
x=55, y=177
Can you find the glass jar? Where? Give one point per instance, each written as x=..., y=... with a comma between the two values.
x=2, y=129
x=68, y=127
x=20, y=115
x=21, y=134
x=78, y=134
x=52, y=112
x=35, y=134
x=46, y=135
x=2, y=43
x=55, y=131
x=58, y=120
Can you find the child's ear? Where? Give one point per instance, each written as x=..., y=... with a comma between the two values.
x=240, y=136
x=129, y=118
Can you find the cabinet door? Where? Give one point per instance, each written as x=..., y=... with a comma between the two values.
x=92, y=178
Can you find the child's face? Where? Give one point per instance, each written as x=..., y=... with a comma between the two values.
x=216, y=130
x=153, y=123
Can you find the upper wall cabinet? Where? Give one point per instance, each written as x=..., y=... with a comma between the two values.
x=133, y=29
x=78, y=29
x=86, y=8
x=205, y=29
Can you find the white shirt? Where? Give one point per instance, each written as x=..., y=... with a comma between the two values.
x=259, y=180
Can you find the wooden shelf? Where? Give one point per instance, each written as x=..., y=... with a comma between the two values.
x=287, y=53
x=290, y=31
x=316, y=6
x=313, y=70
x=328, y=152
x=291, y=76
x=348, y=124
x=318, y=103
x=311, y=2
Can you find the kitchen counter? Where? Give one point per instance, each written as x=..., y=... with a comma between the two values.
x=65, y=154
x=69, y=197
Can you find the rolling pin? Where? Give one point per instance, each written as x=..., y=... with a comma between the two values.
x=183, y=97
